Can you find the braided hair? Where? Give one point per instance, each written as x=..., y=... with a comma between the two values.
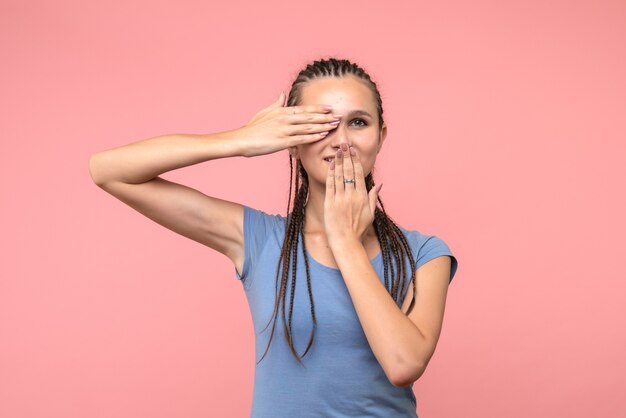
x=392, y=239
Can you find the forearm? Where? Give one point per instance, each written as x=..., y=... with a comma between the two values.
x=390, y=333
x=144, y=160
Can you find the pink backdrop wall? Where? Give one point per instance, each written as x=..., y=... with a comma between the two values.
x=506, y=138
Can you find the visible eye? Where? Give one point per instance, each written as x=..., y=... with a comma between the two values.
x=364, y=122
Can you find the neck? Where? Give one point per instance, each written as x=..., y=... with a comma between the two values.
x=314, y=209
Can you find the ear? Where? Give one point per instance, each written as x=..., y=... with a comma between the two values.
x=383, y=135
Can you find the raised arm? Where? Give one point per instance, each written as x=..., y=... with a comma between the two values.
x=131, y=172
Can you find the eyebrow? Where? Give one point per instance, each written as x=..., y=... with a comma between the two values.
x=359, y=112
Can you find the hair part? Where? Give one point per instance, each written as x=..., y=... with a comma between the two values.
x=392, y=240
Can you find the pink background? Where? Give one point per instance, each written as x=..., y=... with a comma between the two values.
x=506, y=139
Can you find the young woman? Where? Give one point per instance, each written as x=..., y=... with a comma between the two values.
x=359, y=327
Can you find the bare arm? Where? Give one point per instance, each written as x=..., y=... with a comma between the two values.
x=131, y=172
x=143, y=160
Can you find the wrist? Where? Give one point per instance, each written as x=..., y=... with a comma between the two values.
x=231, y=143
x=345, y=243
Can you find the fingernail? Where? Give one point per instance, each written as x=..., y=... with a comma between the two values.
x=352, y=151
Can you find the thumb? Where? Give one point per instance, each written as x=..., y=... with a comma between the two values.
x=373, y=196
x=280, y=101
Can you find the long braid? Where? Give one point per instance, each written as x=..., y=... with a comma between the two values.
x=290, y=230
x=305, y=185
x=394, y=245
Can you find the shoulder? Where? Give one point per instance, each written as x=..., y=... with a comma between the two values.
x=426, y=247
x=415, y=237
x=260, y=229
x=260, y=226
x=254, y=217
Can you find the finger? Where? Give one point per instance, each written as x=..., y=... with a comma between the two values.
x=348, y=171
x=358, y=171
x=310, y=138
x=308, y=109
x=304, y=118
x=278, y=103
x=309, y=128
x=339, y=186
x=373, y=197
x=330, y=181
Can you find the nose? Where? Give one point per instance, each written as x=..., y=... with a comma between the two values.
x=339, y=136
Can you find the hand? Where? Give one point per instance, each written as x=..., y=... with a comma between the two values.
x=348, y=208
x=277, y=127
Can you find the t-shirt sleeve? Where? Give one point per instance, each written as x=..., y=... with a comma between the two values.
x=433, y=247
x=258, y=227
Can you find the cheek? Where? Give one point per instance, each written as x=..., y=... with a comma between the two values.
x=309, y=150
x=367, y=164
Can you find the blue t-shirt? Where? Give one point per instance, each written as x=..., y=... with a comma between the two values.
x=341, y=376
